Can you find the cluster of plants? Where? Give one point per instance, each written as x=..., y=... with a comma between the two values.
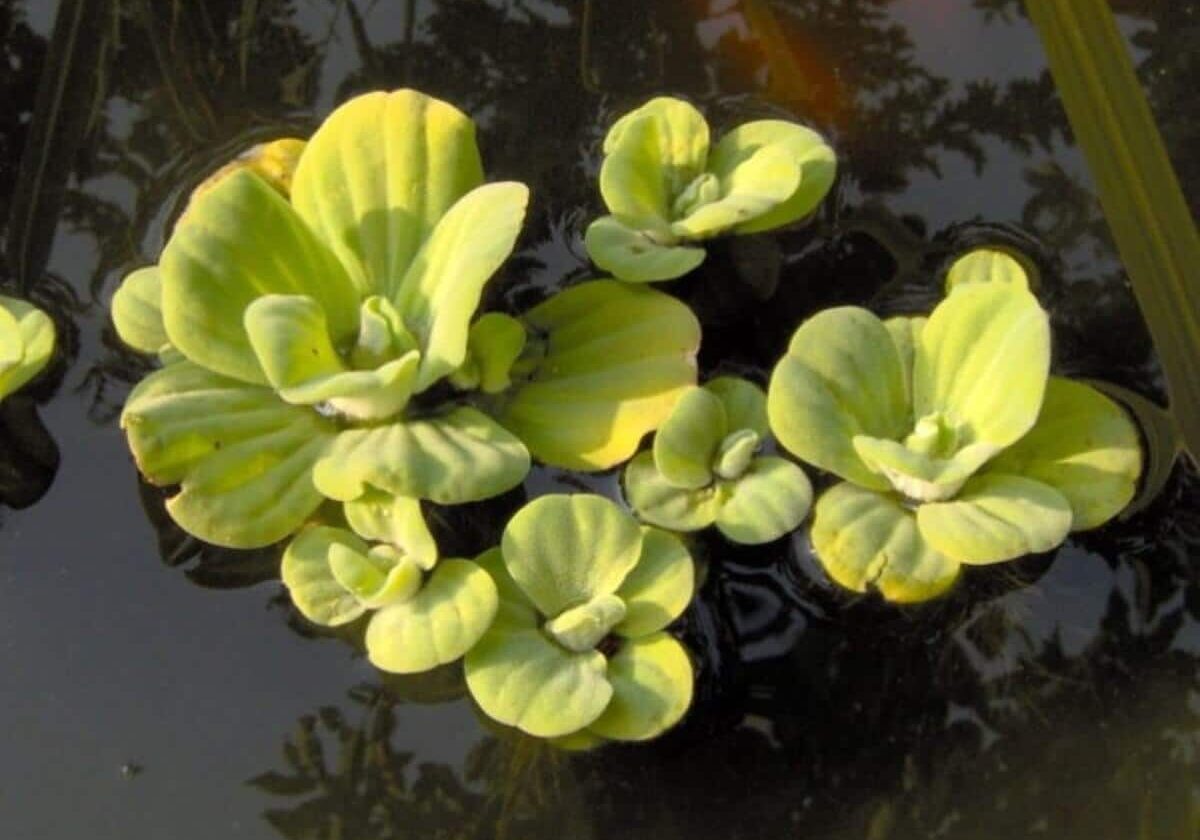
x=326, y=375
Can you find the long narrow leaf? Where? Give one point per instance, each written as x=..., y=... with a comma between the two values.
x=1142, y=200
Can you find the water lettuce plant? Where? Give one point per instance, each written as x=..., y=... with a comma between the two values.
x=954, y=443
x=308, y=333
x=319, y=337
x=706, y=467
x=26, y=343
x=666, y=189
x=578, y=651
x=425, y=612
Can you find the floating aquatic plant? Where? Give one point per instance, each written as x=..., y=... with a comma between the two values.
x=955, y=444
x=317, y=332
x=578, y=649
x=307, y=335
x=706, y=467
x=26, y=343
x=666, y=190
x=426, y=612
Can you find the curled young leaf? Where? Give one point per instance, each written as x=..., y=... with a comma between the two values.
x=395, y=520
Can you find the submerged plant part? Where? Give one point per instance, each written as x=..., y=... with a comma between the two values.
x=667, y=190
x=706, y=468
x=307, y=334
x=954, y=443
x=426, y=612
x=578, y=649
x=26, y=343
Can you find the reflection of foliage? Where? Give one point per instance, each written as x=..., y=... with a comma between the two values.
x=363, y=788
x=21, y=55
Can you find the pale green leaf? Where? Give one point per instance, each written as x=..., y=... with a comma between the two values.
x=996, y=517
x=378, y=175
x=444, y=620
x=745, y=403
x=378, y=577
x=516, y=611
x=137, y=310
x=735, y=454
x=986, y=265
x=396, y=520
x=635, y=181
x=27, y=337
x=564, y=550
x=310, y=582
x=494, y=344
x=805, y=148
x=842, y=376
x=651, y=155
x=290, y=338
x=920, y=476
x=581, y=628
x=521, y=678
x=906, y=332
x=771, y=499
x=659, y=502
x=1085, y=447
x=660, y=586
x=687, y=443
x=612, y=361
x=652, y=682
x=442, y=288
x=242, y=457
x=756, y=185
x=239, y=241
x=982, y=362
x=634, y=255
x=864, y=539
x=461, y=456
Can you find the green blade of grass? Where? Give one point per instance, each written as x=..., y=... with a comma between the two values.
x=1143, y=203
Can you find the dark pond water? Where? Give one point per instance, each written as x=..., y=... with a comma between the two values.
x=155, y=688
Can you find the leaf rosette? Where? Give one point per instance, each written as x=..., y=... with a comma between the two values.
x=27, y=338
x=319, y=339
x=955, y=444
x=706, y=467
x=423, y=612
x=666, y=189
x=578, y=651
